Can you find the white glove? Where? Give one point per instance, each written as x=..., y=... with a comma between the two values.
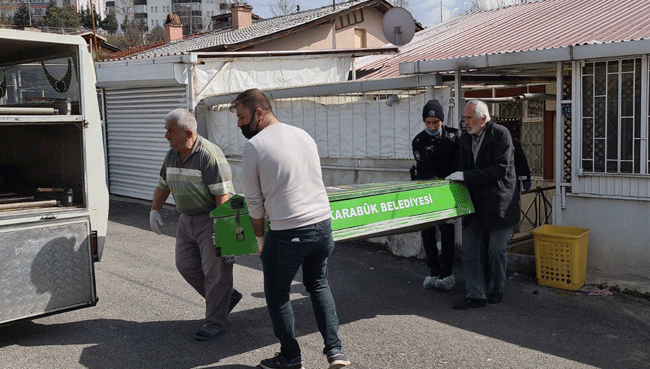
x=260, y=243
x=155, y=221
x=456, y=176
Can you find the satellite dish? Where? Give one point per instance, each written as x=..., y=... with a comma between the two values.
x=398, y=26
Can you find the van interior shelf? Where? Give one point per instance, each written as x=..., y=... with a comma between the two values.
x=39, y=119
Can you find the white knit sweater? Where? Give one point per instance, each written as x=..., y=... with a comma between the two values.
x=283, y=179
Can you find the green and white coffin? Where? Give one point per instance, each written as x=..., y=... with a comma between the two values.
x=358, y=211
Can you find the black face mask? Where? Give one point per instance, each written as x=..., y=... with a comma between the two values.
x=247, y=131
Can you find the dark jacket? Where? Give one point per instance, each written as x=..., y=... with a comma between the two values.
x=435, y=157
x=521, y=163
x=492, y=181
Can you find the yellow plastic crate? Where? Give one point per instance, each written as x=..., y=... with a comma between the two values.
x=561, y=256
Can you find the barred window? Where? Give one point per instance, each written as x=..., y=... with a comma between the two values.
x=611, y=116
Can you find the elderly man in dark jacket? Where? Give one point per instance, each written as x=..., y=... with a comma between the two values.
x=487, y=167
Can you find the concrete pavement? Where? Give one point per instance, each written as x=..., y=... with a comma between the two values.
x=147, y=314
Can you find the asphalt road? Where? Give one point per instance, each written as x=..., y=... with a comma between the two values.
x=147, y=314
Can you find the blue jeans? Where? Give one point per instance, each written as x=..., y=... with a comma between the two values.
x=479, y=243
x=284, y=252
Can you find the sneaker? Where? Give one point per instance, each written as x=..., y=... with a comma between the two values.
x=228, y=259
x=208, y=333
x=279, y=362
x=429, y=282
x=235, y=297
x=446, y=283
x=338, y=361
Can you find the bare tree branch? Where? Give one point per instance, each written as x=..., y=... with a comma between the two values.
x=283, y=7
x=478, y=5
x=406, y=4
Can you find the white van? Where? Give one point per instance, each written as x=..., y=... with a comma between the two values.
x=53, y=192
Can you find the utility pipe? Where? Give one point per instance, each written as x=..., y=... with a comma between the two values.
x=526, y=96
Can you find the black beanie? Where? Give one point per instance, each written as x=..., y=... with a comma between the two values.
x=433, y=109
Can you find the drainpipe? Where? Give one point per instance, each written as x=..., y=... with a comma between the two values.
x=457, y=98
x=190, y=61
x=429, y=95
x=526, y=96
x=559, y=145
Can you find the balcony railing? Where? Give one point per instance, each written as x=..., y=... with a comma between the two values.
x=536, y=210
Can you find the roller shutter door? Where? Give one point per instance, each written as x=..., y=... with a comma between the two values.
x=135, y=135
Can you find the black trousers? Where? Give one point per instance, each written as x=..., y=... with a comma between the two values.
x=440, y=265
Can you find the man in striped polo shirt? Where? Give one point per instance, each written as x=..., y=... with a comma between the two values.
x=197, y=174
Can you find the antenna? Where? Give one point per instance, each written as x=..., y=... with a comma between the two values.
x=398, y=26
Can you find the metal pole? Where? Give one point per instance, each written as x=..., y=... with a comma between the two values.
x=440, y=11
x=92, y=15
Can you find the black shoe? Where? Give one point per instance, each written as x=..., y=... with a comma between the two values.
x=279, y=362
x=337, y=361
x=235, y=297
x=209, y=333
x=494, y=298
x=469, y=303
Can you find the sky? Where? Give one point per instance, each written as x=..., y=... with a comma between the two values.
x=427, y=12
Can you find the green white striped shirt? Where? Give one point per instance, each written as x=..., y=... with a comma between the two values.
x=194, y=182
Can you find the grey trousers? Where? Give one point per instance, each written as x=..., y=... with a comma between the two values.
x=478, y=244
x=197, y=261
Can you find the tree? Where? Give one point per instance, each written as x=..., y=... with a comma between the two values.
x=22, y=18
x=6, y=8
x=157, y=34
x=65, y=17
x=87, y=18
x=283, y=7
x=124, y=11
x=5, y=21
x=133, y=34
x=110, y=22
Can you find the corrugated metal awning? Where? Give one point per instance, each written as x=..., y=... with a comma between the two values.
x=528, y=33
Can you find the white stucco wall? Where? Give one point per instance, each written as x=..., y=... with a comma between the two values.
x=619, y=241
x=320, y=37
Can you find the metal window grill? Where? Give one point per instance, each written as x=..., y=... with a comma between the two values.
x=525, y=119
x=611, y=116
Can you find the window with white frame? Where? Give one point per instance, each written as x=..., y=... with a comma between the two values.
x=612, y=123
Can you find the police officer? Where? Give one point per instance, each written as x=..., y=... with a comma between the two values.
x=435, y=150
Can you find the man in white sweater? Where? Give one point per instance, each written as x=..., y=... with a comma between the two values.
x=283, y=181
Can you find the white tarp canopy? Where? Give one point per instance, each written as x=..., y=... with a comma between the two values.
x=350, y=129
x=223, y=76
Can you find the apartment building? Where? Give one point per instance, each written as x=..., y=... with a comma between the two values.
x=195, y=15
x=38, y=8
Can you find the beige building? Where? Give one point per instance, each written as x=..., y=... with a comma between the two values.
x=348, y=25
